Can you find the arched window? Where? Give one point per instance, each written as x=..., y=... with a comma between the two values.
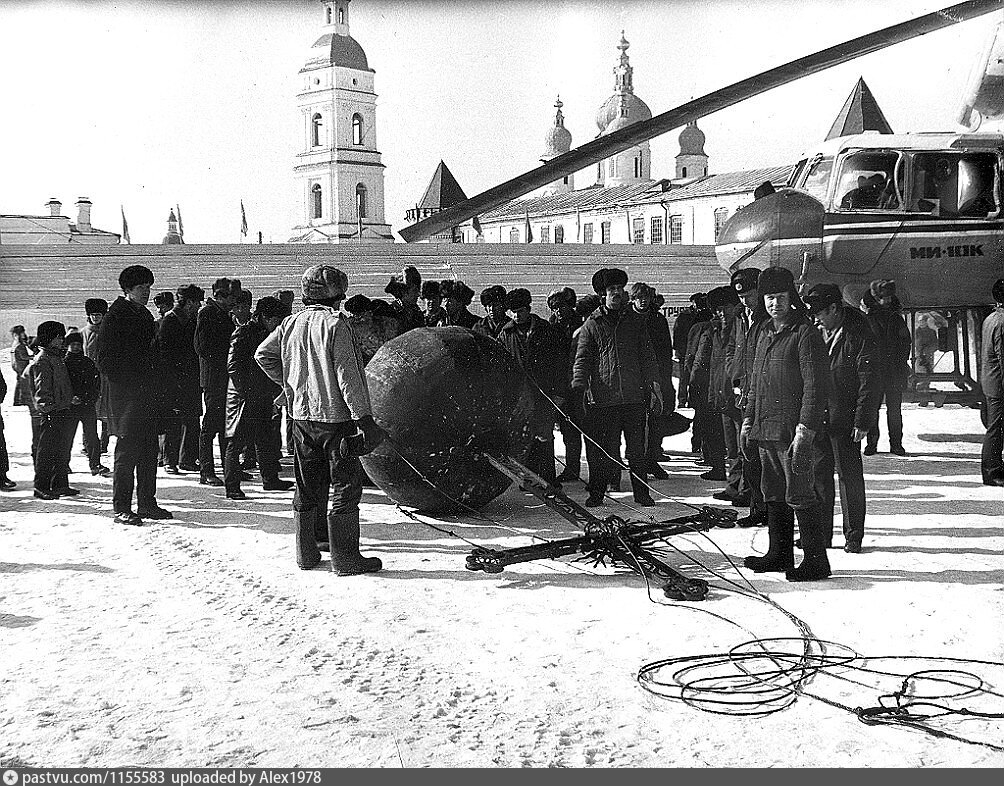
x=721, y=216
x=637, y=167
x=329, y=14
x=514, y=235
x=341, y=16
x=361, y=200
x=685, y=171
x=317, y=130
x=357, y=129
x=316, y=201
x=559, y=234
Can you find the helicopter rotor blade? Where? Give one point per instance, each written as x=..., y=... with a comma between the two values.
x=602, y=148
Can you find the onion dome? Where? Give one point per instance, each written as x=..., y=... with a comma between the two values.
x=692, y=141
x=623, y=103
x=558, y=139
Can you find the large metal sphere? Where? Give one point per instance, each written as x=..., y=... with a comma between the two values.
x=444, y=395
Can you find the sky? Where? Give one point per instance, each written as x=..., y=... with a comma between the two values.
x=146, y=105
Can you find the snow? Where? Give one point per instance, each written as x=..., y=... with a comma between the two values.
x=197, y=642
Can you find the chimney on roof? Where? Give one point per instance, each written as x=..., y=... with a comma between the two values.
x=83, y=214
x=55, y=206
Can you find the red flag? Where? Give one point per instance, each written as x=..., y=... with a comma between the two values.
x=529, y=229
x=244, y=221
x=125, y=227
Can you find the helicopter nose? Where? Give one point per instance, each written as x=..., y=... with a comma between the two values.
x=777, y=229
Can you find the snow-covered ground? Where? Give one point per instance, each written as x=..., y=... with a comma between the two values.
x=198, y=642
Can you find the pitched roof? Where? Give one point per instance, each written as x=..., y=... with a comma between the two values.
x=859, y=113
x=444, y=191
x=584, y=198
x=727, y=183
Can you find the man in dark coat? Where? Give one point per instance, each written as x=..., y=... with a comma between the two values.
x=494, y=301
x=127, y=359
x=784, y=416
x=183, y=401
x=95, y=309
x=566, y=322
x=894, y=343
x=163, y=302
x=457, y=296
x=405, y=290
x=250, y=398
x=746, y=331
x=538, y=350
x=851, y=409
x=51, y=394
x=435, y=314
x=85, y=381
x=724, y=417
x=685, y=320
x=992, y=382
x=615, y=367
x=706, y=437
x=213, y=329
x=643, y=303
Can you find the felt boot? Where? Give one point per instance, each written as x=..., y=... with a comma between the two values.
x=780, y=555
x=343, y=536
x=308, y=556
x=815, y=566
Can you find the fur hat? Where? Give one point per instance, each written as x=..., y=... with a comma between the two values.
x=358, y=304
x=722, y=297
x=744, y=280
x=430, y=290
x=822, y=296
x=73, y=337
x=46, y=332
x=998, y=290
x=381, y=308
x=95, y=305
x=163, y=299
x=700, y=300
x=493, y=295
x=322, y=282
x=882, y=288
x=608, y=277
x=518, y=298
x=587, y=304
x=134, y=275
x=457, y=290
x=269, y=307
x=565, y=295
x=398, y=285
x=775, y=279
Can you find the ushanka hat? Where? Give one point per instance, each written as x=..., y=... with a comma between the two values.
x=358, y=304
x=822, y=296
x=517, y=299
x=95, y=305
x=46, y=332
x=322, y=282
x=883, y=288
x=608, y=277
x=565, y=295
x=457, y=290
x=430, y=290
x=773, y=280
x=398, y=285
x=493, y=296
x=722, y=297
x=745, y=280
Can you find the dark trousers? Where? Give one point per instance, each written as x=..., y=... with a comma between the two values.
x=712, y=436
x=753, y=478
x=569, y=424
x=991, y=462
x=841, y=454
x=780, y=482
x=540, y=459
x=135, y=459
x=320, y=471
x=102, y=440
x=254, y=429
x=181, y=441
x=736, y=485
x=52, y=456
x=894, y=416
x=4, y=458
x=605, y=425
x=214, y=423
x=87, y=415
x=36, y=432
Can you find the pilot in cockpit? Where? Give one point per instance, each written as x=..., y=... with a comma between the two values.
x=869, y=194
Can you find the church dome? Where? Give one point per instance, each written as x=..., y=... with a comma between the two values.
x=332, y=49
x=692, y=141
x=610, y=111
x=558, y=139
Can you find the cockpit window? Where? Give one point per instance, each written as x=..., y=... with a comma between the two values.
x=870, y=180
x=954, y=184
x=816, y=181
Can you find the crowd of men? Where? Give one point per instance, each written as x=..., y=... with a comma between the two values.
x=784, y=390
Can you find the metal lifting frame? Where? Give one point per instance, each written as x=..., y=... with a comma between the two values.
x=611, y=539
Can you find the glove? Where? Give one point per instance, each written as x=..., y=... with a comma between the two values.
x=655, y=402
x=801, y=450
x=745, y=445
x=372, y=433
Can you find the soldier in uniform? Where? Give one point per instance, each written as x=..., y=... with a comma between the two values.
x=494, y=301
x=643, y=303
x=784, y=417
x=180, y=363
x=457, y=296
x=723, y=302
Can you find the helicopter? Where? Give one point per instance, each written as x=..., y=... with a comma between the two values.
x=924, y=209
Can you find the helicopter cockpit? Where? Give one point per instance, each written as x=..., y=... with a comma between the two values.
x=944, y=183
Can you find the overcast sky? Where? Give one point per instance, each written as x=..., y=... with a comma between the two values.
x=149, y=104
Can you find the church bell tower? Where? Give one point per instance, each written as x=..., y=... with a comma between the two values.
x=338, y=170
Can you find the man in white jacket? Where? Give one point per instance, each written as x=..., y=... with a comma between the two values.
x=314, y=357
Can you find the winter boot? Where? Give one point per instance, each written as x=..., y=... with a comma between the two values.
x=640, y=489
x=815, y=565
x=756, y=518
x=343, y=535
x=780, y=555
x=308, y=556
